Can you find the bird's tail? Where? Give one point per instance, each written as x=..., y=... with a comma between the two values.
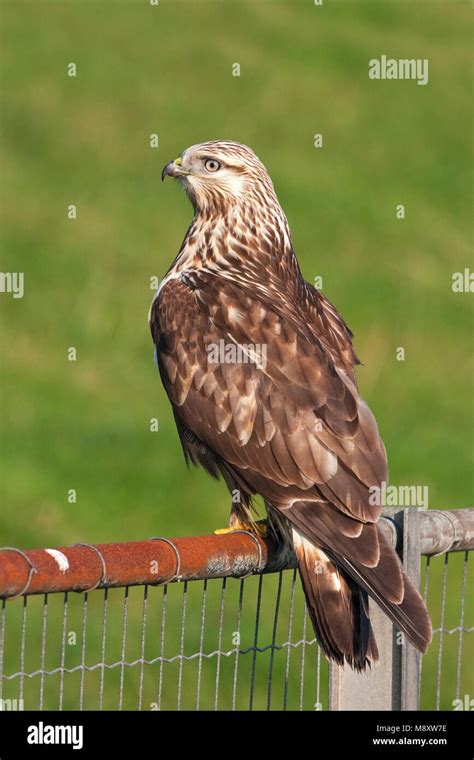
x=338, y=608
x=337, y=590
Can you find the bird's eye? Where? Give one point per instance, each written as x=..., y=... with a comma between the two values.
x=212, y=165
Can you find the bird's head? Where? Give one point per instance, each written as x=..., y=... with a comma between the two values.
x=219, y=174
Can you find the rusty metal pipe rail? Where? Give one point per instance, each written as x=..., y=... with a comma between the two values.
x=84, y=567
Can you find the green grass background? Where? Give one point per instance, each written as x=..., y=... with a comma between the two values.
x=85, y=141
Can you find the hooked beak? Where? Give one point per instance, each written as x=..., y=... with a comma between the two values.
x=172, y=169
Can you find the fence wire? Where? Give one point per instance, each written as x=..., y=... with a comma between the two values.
x=445, y=683
x=210, y=645
x=214, y=644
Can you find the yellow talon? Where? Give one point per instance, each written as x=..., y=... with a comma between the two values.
x=260, y=527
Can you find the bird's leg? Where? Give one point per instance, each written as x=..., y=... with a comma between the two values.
x=260, y=527
x=241, y=519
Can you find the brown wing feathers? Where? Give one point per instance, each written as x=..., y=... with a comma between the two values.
x=303, y=438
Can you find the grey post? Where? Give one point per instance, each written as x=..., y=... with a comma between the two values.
x=393, y=682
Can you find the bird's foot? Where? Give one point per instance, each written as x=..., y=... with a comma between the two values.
x=260, y=528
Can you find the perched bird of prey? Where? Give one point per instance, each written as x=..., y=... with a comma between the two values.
x=259, y=369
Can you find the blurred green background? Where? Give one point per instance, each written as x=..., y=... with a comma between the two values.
x=85, y=425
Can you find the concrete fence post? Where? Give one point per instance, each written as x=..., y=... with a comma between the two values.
x=393, y=682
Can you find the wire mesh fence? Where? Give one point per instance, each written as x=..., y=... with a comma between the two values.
x=208, y=643
x=211, y=644
x=447, y=668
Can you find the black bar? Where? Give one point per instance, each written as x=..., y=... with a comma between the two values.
x=133, y=734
